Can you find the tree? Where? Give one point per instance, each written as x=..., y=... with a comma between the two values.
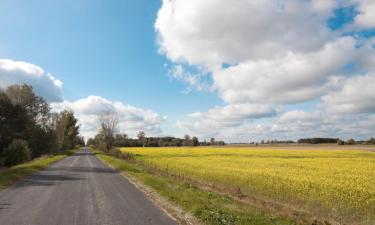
x=67, y=130
x=92, y=142
x=13, y=121
x=351, y=141
x=121, y=140
x=39, y=133
x=340, y=142
x=187, y=140
x=212, y=141
x=195, y=141
x=36, y=107
x=80, y=141
x=107, y=130
x=17, y=152
x=142, y=137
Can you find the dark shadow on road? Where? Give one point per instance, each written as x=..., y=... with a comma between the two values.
x=83, y=154
x=82, y=169
x=4, y=206
x=45, y=180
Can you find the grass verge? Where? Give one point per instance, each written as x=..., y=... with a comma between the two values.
x=207, y=206
x=10, y=175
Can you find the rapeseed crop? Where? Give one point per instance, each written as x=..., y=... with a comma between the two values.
x=333, y=183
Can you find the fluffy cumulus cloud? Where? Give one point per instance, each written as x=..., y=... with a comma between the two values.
x=130, y=119
x=366, y=15
x=294, y=78
x=17, y=72
x=227, y=117
x=272, y=52
x=213, y=32
x=357, y=95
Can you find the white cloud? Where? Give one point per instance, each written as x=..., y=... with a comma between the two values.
x=223, y=118
x=193, y=81
x=296, y=124
x=366, y=16
x=273, y=51
x=302, y=124
x=293, y=78
x=131, y=119
x=213, y=32
x=357, y=95
x=17, y=72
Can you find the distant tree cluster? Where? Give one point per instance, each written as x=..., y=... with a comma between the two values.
x=317, y=140
x=338, y=141
x=28, y=128
x=351, y=141
x=274, y=141
x=123, y=140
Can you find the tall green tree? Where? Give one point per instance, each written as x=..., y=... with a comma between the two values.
x=36, y=107
x=13, y=120
x=67, y=130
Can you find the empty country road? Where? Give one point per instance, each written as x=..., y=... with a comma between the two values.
x=78, y=190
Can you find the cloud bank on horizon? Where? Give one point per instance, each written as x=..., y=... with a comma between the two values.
x=284, y=69
x=280, y=54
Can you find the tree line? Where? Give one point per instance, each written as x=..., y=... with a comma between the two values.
x=318, y=140
x=107, y=137
x=338, y=141
x=28, y=128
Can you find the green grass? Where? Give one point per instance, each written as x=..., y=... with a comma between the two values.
x=209, y=207
x=10, y=175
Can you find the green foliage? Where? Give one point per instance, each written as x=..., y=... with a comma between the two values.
x=17, y=152
x=36, y=107
x=351, y=141
x=13, y=120
x=66, y=130
x=317, y=140
x=123, y=140
x=24, y=115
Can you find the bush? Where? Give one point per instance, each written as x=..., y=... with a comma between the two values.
x=17, y=152
x=350, y=142
x=121, y=155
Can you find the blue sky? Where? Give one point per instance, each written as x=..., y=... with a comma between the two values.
x=103, y=48
x=171, y=64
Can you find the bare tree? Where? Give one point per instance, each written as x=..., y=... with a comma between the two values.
x=107, y=129
x=142, y=138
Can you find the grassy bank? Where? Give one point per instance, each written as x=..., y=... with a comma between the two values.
x=10, y=175
x=209, y=207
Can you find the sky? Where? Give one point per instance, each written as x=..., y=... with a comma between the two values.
x=239, y=71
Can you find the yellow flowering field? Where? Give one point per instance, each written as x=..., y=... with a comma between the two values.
x=339, y=183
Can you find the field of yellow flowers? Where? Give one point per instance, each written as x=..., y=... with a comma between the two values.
x=337, y=183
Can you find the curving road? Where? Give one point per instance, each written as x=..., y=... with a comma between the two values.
x=78, y=190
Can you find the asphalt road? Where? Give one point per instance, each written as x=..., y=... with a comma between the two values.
x=78, y=190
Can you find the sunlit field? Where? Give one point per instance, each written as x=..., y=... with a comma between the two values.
x=338, y=184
